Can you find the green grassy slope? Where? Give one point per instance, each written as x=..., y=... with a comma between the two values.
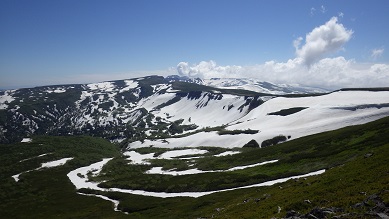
x=48, y=193
x=300, y=156
x=350, y=178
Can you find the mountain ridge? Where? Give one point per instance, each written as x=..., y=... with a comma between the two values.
x=160, y=108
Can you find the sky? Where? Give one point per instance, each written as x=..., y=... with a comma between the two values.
x=321, y=43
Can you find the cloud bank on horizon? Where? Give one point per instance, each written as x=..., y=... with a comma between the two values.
x=314, y=64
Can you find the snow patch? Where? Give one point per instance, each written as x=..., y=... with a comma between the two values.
x=130, y=84
x=5, y=99
x=34, y=157
x=58, y=90
x=158, y=170
x=226, y=153
x=177, y=153
x=252, y=165
x=50, y=164
x=115, y=202
x=16, y=177
x=26, y=140
x=137, y=158
x=105, y=86
x=55, y=163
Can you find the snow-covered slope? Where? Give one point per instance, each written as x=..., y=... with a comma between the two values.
x=318, y=114
x=259, y=86
x=117, y=110
x=179, y=112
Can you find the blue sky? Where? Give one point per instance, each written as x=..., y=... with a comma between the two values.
x=56, y=42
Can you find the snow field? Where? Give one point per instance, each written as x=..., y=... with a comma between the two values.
x=214, y=113
x=255, y=85
x=155, y=100
x=323, y=113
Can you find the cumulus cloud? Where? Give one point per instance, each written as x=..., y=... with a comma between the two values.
x=376, y=53
x=329, y=73
x=297, y=43
x=323, y=40
x=308, y=68
x=207, y=69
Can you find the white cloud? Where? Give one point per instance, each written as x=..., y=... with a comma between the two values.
x=207, y=69
x=322, y=40
x=330, y=73
x=376, y=53
x=297, y=43
x=341, y=14
x=308, y=68
x=323, y=9
x=313, y=11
